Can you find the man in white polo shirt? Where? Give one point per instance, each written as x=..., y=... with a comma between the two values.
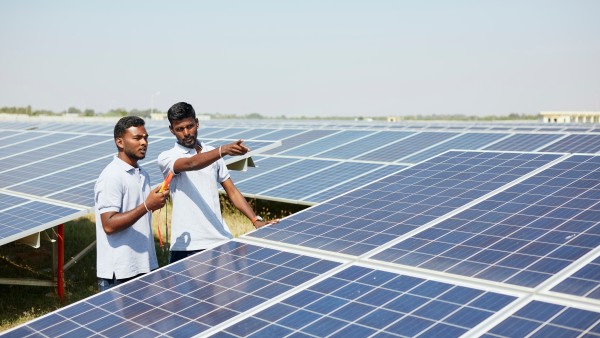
x=197, y=222
x=124, y=203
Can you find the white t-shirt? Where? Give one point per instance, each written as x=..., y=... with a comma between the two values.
x=196, y=222
x=129, y=252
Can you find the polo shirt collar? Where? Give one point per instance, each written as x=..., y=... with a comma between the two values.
x=186, y=150
x=123, y=165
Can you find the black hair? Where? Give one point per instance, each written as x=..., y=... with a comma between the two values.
x=180, y=111
x=127, y=122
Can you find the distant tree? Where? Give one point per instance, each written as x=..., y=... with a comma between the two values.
x=89, y=112
x=254, y=116
x=73, y=110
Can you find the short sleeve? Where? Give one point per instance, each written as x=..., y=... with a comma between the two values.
x=109, y=195
x=223, y=172
x=166, y=162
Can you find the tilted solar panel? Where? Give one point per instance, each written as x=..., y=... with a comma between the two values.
x=523, y=235
x=366, y=218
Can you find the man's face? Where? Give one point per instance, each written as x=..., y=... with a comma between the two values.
x=134, y=143
x=186, y=131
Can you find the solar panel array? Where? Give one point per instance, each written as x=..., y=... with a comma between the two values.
x=47, y=176
x=468, y=242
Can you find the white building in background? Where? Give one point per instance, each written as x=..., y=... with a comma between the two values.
x=570, y=116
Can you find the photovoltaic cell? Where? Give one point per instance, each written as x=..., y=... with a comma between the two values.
x=524, y=142
x=263, y=165
x=577, y=143
x=366, y=218
x=541, y=319
x=18, y=216
x=52, y=183
x=185, y=298
x=326, y=143
x=360, y=302
x=405, y=147
x=34, y=150
x=253, y=133
x=337, y=190
x=522, y=236
x=585, y=282
x=82, y=195
x=470, y=141
x=299, y=139
x=357, y=148
x=281, y=134
x=316, y=182
x=282, y=175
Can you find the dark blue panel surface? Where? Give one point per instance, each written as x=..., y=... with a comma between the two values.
x=19, y=215
x=405, y=147
x=188, y=297
x=318, y=181
x=366, y=218
x=359, y=147
x=540, y=319
x=300, y=139
x=470, y=141
x=325, y=144
x=357, y=181
x=578, y=143
x=282, y=175
x=585, y=282
x=359, y=302
x=523, y=235
x=524, y=142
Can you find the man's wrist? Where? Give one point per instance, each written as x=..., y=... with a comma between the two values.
x=256, y=219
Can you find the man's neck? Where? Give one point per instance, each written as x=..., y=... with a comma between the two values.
x=132, y=162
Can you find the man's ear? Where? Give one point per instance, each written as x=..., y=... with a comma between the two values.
x=171, y=129
x=119, y=142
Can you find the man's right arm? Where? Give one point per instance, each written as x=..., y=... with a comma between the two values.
x=203, y=160
x=113, y=221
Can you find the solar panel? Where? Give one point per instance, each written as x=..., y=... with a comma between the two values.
x=576, y=143
x=359, y=147
x=360, y=302
x=585, y=282
x=524, y=142
x=326, y=143
x=188, y=297
x=282, y=175
x=404, y=147
x=345, y=186
x=299, y=188
x=20, y=217
x=473, y=243
x=373, y=215
x=542, y=319
x=469, y=141
x=523, y=235
x=299, y=139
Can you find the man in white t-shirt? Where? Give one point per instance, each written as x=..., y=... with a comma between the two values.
x=197, y=222
x=123, y=203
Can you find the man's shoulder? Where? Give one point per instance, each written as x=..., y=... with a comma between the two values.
x=171, y=152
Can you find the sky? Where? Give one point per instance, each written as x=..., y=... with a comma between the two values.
x=303, y=58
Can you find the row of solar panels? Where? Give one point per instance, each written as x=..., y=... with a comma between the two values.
x=468, y=243
x=59, y=168
x=325, y=124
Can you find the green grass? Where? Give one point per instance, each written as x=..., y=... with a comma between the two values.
x=20, y=304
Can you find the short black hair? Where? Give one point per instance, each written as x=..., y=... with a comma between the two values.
x=180, y=111
x=127, y=122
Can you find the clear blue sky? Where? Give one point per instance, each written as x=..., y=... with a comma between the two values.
x=305, y=57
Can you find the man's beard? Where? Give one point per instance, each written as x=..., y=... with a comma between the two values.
x=132, y=155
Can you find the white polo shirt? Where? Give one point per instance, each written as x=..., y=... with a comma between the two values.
x=129, y=252
x=196, y=222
